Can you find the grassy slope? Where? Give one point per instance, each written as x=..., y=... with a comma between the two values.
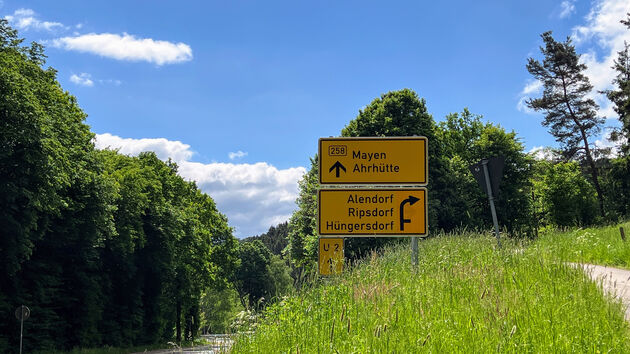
x=465, y=297
x=598, y=246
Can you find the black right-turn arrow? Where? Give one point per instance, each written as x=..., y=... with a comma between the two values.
x=411, y=200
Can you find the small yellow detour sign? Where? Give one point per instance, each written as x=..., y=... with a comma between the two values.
x=390, y=160
x=373, y=212
x=330, y=256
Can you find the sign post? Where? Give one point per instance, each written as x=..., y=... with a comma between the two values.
x=414, y=251
x=375, y=211
x=22, y=313
x=488, y=173
x=491, y=200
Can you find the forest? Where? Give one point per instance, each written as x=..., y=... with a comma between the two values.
x=116, y=250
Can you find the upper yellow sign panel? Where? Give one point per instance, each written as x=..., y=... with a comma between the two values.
x=391, y=160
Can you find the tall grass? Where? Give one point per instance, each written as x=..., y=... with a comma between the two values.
x=601, y=245
x=464, y=296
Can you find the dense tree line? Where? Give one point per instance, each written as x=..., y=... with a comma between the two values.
x=105, y=249
x=261, y=276
x=275, y=239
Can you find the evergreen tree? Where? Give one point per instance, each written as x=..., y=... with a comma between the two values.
x=571, y=116
x=275, y=239
x=621, y=96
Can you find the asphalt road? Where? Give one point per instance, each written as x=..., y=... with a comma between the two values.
x=614, y=281
x=220, y=343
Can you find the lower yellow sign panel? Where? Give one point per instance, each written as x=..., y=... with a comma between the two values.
x=330, y=256
x=373, y=212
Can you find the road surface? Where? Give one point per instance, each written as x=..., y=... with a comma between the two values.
x=615, y=282
x=220, y=343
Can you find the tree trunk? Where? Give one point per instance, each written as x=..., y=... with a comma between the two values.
x=589, y=158
x=594, y=174
x=178, y=324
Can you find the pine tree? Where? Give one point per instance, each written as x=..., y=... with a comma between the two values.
x=571, y=116
x=621, y=97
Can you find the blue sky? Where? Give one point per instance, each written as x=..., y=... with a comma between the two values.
x=239, y=92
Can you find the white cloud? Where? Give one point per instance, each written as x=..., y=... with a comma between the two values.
x=543, y=153
x=82, y=79
x=567, y=8
x=531, y=87
x=237, y=155
x=127, y=47
x=25, y=19
x=110, y=81
x=253, y=196
x=163, y=148
x=603, y=26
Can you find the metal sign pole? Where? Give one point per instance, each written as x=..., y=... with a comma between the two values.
x=21, y=326
x=491, y=199
x=414, y=251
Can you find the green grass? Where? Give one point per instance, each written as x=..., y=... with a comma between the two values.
x=593, y=245
x=465, y=296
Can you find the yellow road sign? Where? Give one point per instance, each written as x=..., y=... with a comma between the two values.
x=373, y=212
x=330, y=256
x=390, y=160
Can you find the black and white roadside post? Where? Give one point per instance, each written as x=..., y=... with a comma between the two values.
x=484, y=162
x=22, y=313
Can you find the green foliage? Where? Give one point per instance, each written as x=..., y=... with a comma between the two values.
x=567, y=197
x=303, y=222
x=616, y=183
x=281, y=281
x=252, y=278
x=275, y=239
x=55, y=209
x=105, y=249
x=260, y=277
x=466, y=141
x=464, y=296
x=218, y=309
